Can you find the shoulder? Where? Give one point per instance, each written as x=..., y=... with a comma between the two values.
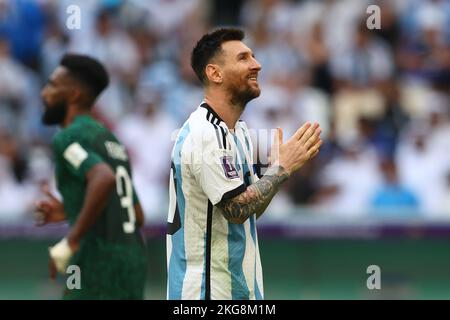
x=64, y=138
x=207, y=130
x=200, y=130
x=81, y=133
x=68, y=146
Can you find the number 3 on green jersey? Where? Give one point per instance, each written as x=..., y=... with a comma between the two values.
x=125, y=192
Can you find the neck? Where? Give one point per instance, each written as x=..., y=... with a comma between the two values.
x=228, y=110
x=72, y=113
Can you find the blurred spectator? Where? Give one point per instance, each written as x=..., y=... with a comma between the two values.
x=13, y=84
x=423, y=158
x=392, y=122
x=319, y=55
x=274, y=53
x=9, y=149
x=392, y=198
x=275, y=15
x=147, y=134
x=115, y=48
x=424, y=55
x=347, y=181
x=390, y=25
x=358, y=73
x=23, y=23
x=55, y=45
x=14, y=201
x=367, y=63
x=168, y=16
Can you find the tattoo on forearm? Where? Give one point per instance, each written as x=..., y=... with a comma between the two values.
x=256, y=198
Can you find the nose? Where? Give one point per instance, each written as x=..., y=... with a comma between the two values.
x=256, y=65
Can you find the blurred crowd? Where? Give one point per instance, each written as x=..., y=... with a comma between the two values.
x=381, y=96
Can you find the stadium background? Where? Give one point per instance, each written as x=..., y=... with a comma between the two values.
x=378, y=194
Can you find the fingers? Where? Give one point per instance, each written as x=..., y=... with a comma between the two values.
x=301, y=131
x=42, y=205
x=314, y=154
x=309, y=133
x=41, y=210
x=314, y=150
x=313, y=139
x=46, y=190
x=39, y=218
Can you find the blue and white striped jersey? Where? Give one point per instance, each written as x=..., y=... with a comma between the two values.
x=208, y=257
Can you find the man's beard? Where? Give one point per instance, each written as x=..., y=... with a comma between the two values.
x=54, y=115
x=240, y=97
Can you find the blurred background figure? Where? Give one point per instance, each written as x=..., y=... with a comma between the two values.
x=392, y=198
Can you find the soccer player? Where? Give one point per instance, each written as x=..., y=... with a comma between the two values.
x=94, y=178
x=215, y=195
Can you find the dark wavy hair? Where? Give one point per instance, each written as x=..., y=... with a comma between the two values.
x=209, y=46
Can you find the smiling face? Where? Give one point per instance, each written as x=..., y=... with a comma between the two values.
x=239, y=72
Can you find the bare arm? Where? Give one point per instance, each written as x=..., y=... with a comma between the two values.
x=287, y=158
x=140, y=219
x=100, y=183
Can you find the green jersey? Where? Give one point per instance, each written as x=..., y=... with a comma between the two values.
x=112, y=256
x=78, y=148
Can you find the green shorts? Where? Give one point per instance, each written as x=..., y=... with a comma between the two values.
x=109, y=271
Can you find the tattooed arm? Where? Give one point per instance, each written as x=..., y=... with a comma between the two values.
x=287, y=158
x=256, y=198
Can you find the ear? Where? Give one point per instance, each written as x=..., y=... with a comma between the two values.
x=75, y=95
x=214, y=73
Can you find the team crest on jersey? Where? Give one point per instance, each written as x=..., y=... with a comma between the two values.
x=228, y=167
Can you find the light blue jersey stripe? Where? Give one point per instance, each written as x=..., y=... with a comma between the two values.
x=177, y=263
x=236, y=246
x=236, y=251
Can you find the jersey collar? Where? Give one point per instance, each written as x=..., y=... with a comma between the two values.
x=211, y=115
x=82, y=117
x=214, y=118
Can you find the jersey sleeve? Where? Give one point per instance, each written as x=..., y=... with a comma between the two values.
x=75, y=155
x=214, y=168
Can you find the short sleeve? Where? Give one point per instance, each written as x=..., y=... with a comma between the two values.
x=214, y=168
x=75, y=155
